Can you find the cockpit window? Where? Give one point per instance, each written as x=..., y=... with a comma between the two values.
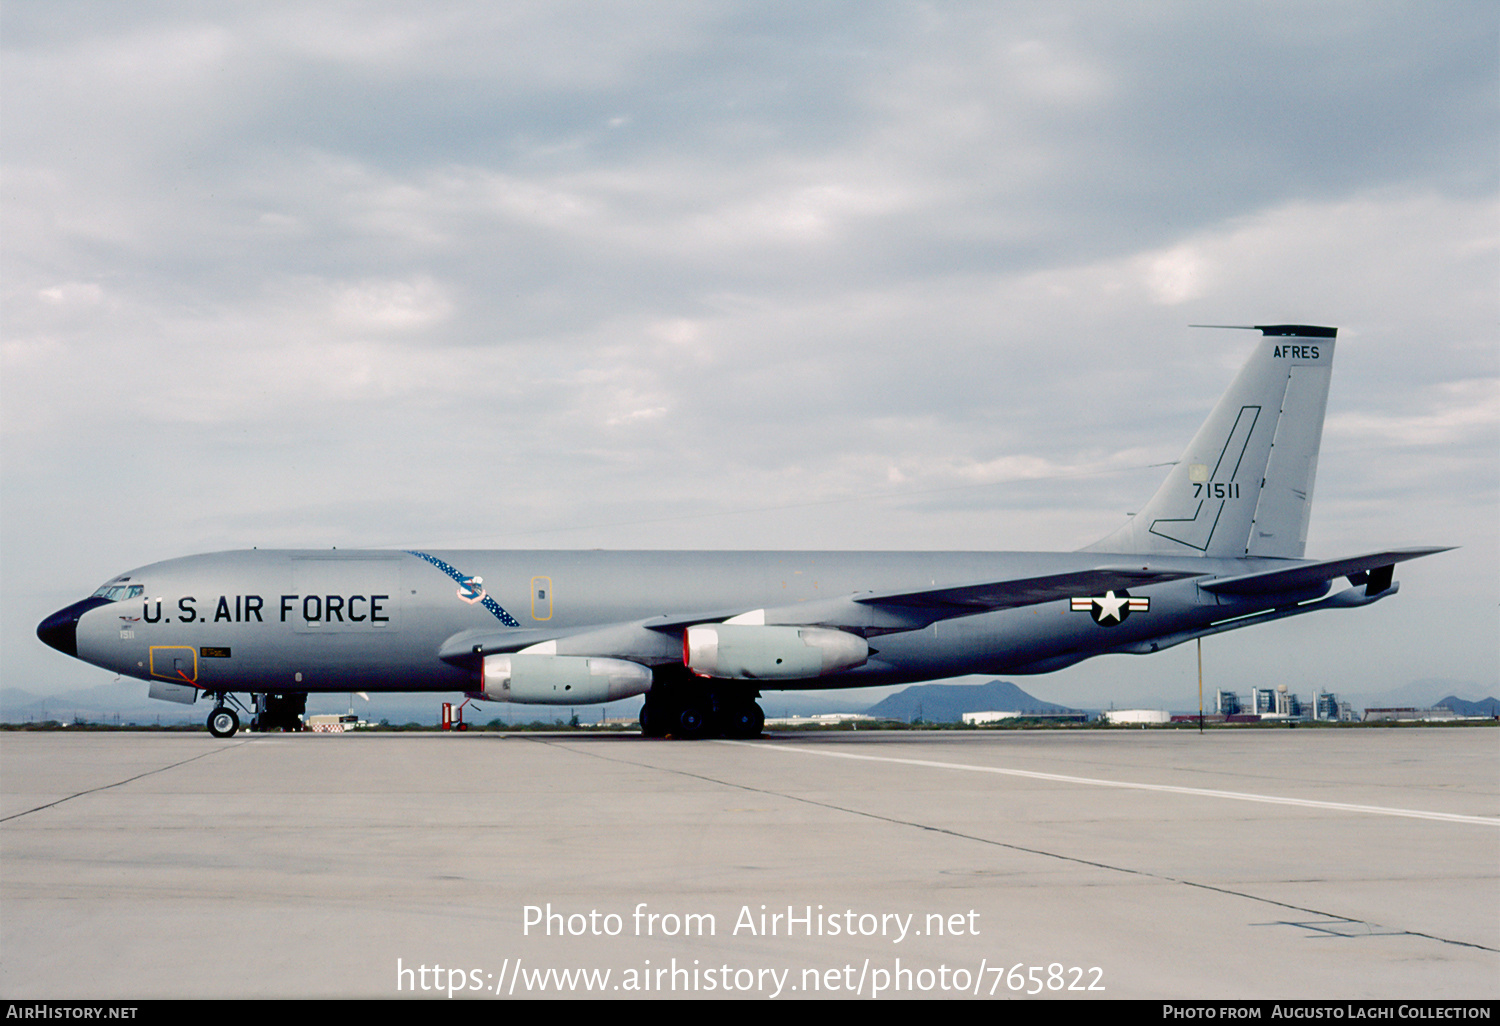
x=117, y=592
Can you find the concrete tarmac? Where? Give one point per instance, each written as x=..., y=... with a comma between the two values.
x=1307, y=863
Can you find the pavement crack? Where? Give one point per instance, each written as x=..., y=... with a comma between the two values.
x=119, y=783
x=1374, y=929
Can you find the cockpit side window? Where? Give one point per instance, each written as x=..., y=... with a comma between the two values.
x=116, y=592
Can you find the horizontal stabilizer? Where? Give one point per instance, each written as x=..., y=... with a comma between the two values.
x=1305, y=575
x=1030, y=591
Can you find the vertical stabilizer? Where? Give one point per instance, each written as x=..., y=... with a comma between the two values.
x=1244, y=486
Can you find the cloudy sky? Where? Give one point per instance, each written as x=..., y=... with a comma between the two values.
x=743, y=275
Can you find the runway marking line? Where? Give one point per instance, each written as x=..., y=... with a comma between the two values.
x=1373, y=929
x=1268, y=799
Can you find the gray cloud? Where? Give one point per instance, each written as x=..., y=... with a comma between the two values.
x=915, y=276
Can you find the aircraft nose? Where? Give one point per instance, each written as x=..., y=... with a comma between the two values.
x=60, y=630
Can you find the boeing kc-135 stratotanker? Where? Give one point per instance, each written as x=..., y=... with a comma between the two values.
x=1218, y=547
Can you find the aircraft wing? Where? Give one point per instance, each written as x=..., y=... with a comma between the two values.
x=868, y=613
x=968, y=599
x=490, y=640
x=648, y=640
x=1372, y=569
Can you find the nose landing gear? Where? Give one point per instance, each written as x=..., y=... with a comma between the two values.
x=223, y=722
x=272, y=712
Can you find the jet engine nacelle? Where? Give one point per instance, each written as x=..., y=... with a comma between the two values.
x=755, y=652
x=561, y=680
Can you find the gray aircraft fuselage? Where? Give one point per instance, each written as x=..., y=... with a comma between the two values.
x=1218, y=547
x=346, y=620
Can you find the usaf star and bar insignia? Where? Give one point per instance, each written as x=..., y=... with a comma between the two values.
x=1111, y=608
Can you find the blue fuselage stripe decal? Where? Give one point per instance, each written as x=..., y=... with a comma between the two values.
x=461, y=578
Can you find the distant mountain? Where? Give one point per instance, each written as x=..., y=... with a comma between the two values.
x=15, y=698
x=126, y=702
x=946, y=703
x=1486, y=707
x=103, y=703
x=1424, y=692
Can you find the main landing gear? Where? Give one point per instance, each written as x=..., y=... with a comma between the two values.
x=696, y=709
x=279, y=712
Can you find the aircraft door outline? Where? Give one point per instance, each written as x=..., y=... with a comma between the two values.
x=541, y=598
x=173, y=665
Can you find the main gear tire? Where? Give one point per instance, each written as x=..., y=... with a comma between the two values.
x=746, y=720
